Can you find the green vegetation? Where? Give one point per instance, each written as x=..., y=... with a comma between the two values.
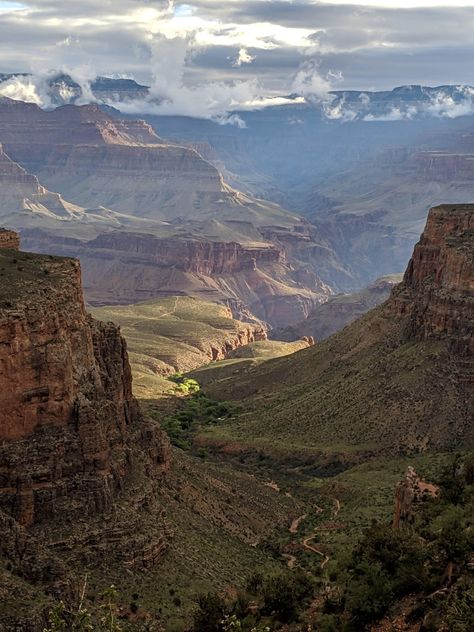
x=196, y=411
x=388, y=565
x=369, y=580
x=77, y=617
x=175, y=333
x=266, y=603
x=184, y=385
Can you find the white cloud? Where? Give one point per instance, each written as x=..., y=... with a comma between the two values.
x=309, y=82
x=36, y=88
x=243, y=57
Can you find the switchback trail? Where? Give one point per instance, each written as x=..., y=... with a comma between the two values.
x=307, y=543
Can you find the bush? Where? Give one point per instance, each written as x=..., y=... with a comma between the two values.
x=198, y=410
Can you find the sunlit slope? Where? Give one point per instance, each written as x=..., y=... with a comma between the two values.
x=243, y=359
x=177, y=333
x=398, y=380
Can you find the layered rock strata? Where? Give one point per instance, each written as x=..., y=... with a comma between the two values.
x=256, y=281
x=68, y=414
x=437, y=294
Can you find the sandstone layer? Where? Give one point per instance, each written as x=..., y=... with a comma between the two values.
x=9, y=240
x=178, y=227
x=437, y=294
x=256, y=281
x=68, y=413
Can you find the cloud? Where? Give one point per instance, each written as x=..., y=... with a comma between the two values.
x=243, y=57
x=36, y=88
x=309, y=82
x=271, y=46
x=444, y=105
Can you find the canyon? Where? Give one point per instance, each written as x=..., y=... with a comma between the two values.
x=397, y=380
x=87, y=478
x=148, y=218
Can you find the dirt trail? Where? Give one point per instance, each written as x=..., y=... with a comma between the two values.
x=307, y=542
x=313, y=549
x=295, y=525
x=173, y=311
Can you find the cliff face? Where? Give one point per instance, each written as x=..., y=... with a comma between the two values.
x=67, y=413
x=9, y=240
x=188, y=255
x=123, y=267
x=437, y=294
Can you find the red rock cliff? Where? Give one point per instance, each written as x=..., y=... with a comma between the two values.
x=437, y=292
x=67, y=410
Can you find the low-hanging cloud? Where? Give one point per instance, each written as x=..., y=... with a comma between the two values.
x=40, y=87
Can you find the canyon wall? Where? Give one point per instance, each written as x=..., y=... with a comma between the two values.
x=437, y=293
x=68, y=414
x=255, y=281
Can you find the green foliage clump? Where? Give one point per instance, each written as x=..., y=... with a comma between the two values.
x=419, y=559
x=268, y=602
x=197, y=411
x=185, y=385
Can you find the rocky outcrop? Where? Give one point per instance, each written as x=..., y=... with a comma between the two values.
x=437, y=293
x=246, y=336
x=9, y=240
x=410, y=491
x=189, y=255
x=68, y=414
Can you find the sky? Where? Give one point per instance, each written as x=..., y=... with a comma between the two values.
x=228, y=52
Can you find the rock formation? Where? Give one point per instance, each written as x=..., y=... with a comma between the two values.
x=9, y=240
x=437, y=294
x=68, y=414
x=119, y=267
x=180, y=227
x=409, y=492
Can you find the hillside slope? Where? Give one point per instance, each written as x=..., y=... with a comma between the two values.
x=398, y=380
x=176, y=334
